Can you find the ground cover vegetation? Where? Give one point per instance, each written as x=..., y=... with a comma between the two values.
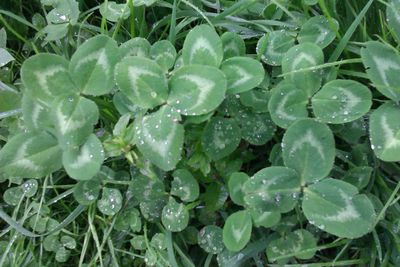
x=199, y=133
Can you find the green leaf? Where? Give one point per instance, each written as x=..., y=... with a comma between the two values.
x=336, y=207
x=233, y=45
x=237, y=230
x=256, y=99
x=184, y=185
x=5, y=57
x=392, y=16
x=196, y=89
x=318, y=30
x=3, y=38
x=385, y=132
x=256, y=128
x=92, y=65
x=46, y=76
x=160, y=137
x=220, y=138
x=164, y=53
x=30, y=187
x=51, y=243
x=113, y=11
x=10, y=102
x=13, y=195
x=309, y=148
x=62, y=254
x=74, y=117
x=202, y=46
x=243, y=74
x=382, y=64
x=287, y=104
x=110, y=202
x=36, y=116
x=30, y=155
x=152, y=209
x=299, y=57
x=146, y=189
x=55, y=32
x=235, y=184
x=175, y=216
x=68, y=242
x=210, y=239
x=341, y=101
x=87, y=192
x=272, y=189
x=159, y=241
x=142, y=80
x=135, y=47
x=358, y=176
x=265, y=219
x=66, y=11
x=85, y=162
x=273, y=47
x=300, y=243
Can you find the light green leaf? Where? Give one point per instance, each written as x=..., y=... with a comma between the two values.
x=54, y=32
x=51, y=243
x=336, y=207
x=160, y=137
x=175, y=216
x=299, y=57
x=210, y=239
x=13, y=195
x=5, y=57
x=62, y=254
x=184, y=185
x=110, y=202
x=202, y=46
x=392, y=16
x=273, y=46
x=113, y=11
x=87, y=192
x=318, y=30
x=10, y=102
x=265, y=219
x=243, y=74
x=309, y=148
x=135, y=47
x=300, y=243
x=46, y=76
x=196, y=89
x=92, y=65
x=233, y=45
x=3, y=38
x=235, y=184
x=142, y=80
x=272, y=189
x=68, y=242
x=164, y=53
x=382, y=64
x=30, y=155
x=36, y=116
x=341, y=101
x=147, y=189
x=66, y=11
x=358, y=176
x=220, y=138
x=287, y=104
x=385, y=132
x=237, y=230
x=159, y=241
x=143, y=2
x=74, y=117
x=85, y=162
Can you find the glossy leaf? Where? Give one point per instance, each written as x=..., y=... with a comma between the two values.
x=309, y=148
x=30, y=155
x=164, y=53
x=175, y=216
x=197, y=90
x=318, y=30
x=210, y=239
x=110, y=202
x=137, y=46
x=233, y=45
x=160, y=137
x=142, y=80
x=202, y=46
x=237, y=230
x=235, y=184
x=256, y=128
x=92, y=65
x=336, y=207
x=184, y=185
x=87, y=192
x=113, y=11
x=265, y=219
x=273, y=46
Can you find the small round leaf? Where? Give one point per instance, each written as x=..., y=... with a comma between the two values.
x=237, y=230
x=110, y=202
x=175, y=216
x=210, y=239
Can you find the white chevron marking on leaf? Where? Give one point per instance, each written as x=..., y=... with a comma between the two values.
x=280, y=110
x=43, y=76
x=66, y=124
x=352, y=99
x=21, y=160
x=243, y=76
x=391, y=140
x=204, y=87
x=310, y=139
x=237, y=232
x=134, y=74
x=300, y=58
x=345, y=214
x=99, y=56
x=37, y=109
x=383, y=65
x=161, y=147
x=83, y=158
x=202, y=43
